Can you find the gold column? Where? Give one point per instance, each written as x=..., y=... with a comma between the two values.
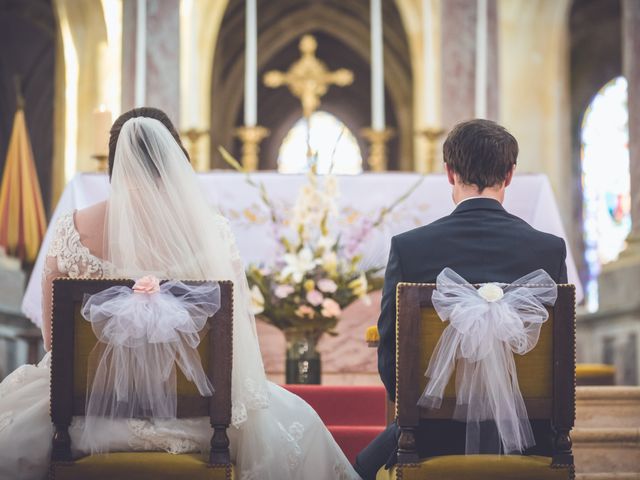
x=378, y=152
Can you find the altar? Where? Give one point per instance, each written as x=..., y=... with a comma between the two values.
x=346, y=357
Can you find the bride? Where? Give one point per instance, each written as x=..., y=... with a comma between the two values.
x=157, y=222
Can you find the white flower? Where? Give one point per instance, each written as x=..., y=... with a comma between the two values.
x=257, y=301
x=326, y=243
x=330, y=262
x=298, y=264
x=491, y=292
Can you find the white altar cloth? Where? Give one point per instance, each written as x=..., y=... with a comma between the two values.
x=529, y=197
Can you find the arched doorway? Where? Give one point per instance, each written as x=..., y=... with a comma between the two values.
x=605, y=180
x=334, y=147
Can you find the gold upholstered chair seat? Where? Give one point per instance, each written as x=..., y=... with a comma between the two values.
x=141, y=466
x=472, y=467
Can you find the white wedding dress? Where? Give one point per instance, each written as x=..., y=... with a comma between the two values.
x=275, y=435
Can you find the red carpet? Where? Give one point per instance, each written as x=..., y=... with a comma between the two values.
x=353, y=414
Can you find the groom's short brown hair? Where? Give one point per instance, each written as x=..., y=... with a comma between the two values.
x=480, y=152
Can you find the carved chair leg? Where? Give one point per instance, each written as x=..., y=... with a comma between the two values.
x=407, y=450
x=562, y=453
x=219, y=454
x=61, y=444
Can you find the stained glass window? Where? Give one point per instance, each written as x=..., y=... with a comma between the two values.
x=330, y=140
x=605, y=180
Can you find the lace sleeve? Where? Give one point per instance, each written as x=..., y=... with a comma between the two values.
x=49, y=273
x=67, y=257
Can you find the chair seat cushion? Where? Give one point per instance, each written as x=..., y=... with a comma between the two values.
x=140, y=466
x=476, y=467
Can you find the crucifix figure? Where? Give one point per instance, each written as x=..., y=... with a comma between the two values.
x=308, y=78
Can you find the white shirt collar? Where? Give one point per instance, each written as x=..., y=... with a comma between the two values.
x=471, y=198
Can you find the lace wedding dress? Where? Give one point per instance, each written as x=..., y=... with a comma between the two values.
x=275, y=435
x=299, y=445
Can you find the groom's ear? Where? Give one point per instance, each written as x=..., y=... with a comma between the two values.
x=509, y=177
x=450, y=174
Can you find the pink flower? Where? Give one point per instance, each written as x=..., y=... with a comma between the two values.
x=283, y=291
x=305, y=311
x=314, y=297
x=327, y=285
x=330, y=308
x=147, y=284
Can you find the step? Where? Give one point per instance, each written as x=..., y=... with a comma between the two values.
x=608, y=407
x=353, y=439
x=345, y=405
x=608, y=476
x=606, y=450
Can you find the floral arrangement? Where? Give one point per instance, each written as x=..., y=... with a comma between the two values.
x=316, y=274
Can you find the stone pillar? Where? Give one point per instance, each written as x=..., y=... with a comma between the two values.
x=162, y=57
x=458, y=61
x=631, y=68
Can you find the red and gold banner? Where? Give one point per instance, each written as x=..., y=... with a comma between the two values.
x=22, y=219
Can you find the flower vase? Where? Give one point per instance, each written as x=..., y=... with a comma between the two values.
x=303, y=359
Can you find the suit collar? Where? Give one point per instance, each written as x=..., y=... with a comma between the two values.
x=479, y=204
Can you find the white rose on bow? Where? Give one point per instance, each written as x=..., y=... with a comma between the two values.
x=491, y=292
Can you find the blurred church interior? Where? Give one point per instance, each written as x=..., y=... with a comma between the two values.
x=562, y=75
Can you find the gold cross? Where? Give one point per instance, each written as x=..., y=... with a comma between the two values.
x=308, y=78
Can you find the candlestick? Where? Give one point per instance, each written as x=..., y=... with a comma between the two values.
x=141, y=54
x=481, y=59
x=194, y=91
x=193, y=135
x=432, y=134
x=377, y=67
x=378, y=152
x=251, y=66
x=251, y=137
x=430, y=79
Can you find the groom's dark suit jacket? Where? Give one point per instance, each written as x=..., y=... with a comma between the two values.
x=480, y=241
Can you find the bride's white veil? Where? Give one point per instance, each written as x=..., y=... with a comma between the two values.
x=159, y=222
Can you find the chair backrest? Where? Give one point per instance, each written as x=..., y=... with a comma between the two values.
x=73, y=340
x=546, y=374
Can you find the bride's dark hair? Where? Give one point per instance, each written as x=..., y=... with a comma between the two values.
x=148, y=112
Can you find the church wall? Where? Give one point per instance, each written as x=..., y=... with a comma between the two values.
x=534, y=93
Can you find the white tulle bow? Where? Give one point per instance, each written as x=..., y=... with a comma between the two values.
x=143, y=333
x=486, y=327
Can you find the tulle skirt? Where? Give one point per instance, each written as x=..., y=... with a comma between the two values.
x=298, y=445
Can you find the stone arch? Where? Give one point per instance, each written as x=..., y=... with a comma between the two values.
x=344, y=24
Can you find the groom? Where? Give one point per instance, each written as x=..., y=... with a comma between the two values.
x=479, y=240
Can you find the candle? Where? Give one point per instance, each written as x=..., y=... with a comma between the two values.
x=429, y=46
x=101, y=126
x=481, y=60
x=251, y=66
x=377, y=67
x=141, y=54
x=194, y=94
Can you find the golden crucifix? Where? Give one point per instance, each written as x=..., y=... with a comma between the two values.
x=308, y=78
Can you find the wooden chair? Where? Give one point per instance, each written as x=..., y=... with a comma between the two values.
x=546, y=378
x=72, y=341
